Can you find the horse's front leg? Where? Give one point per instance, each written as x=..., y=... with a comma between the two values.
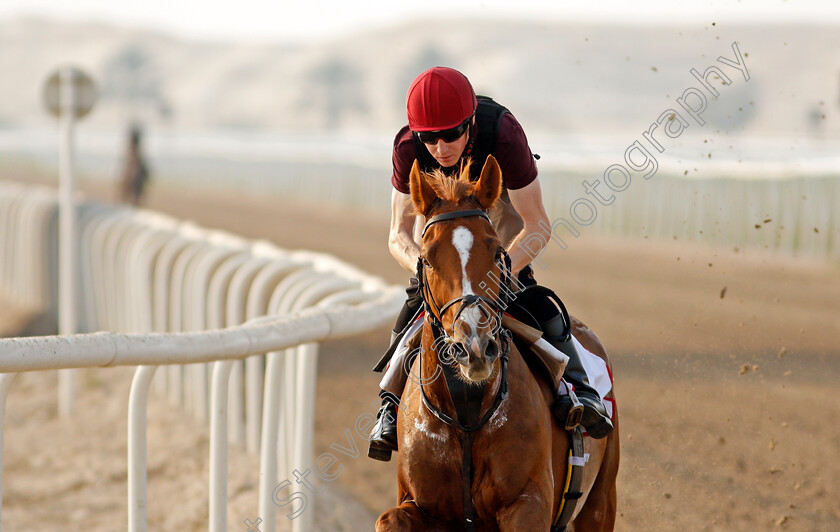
x=406, y=517
x=527, y=512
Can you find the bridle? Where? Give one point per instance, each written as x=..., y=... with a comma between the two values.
x=434, y=311
x=434, y=314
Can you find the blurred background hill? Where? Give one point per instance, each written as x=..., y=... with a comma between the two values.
x=556, y=77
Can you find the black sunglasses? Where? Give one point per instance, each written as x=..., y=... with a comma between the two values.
x=447, y=135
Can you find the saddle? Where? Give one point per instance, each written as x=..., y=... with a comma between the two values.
x=545, y=361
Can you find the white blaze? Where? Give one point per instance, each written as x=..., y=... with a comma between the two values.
x=462, y=239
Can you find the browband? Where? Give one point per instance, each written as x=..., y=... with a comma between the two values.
x=452, y=215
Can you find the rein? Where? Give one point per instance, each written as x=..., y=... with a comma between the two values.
x=500, y=395
x=434, y=313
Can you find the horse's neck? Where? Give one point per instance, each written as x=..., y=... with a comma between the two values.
x=448, y=392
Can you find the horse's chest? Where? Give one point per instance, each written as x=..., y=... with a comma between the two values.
x=429, y=444
x=431, y=454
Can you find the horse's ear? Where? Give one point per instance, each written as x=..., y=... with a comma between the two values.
x=488, y=188
x=422, y=193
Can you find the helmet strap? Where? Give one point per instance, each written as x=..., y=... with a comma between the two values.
x=471, y=141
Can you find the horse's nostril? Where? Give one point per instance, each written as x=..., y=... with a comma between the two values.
x=492, y=350
x=460, y=353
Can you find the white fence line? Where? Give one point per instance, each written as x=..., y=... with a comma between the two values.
x=798, y=216
x=176, y=294
x=721, y=208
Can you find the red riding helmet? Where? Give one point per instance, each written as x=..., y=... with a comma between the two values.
x=439, y=98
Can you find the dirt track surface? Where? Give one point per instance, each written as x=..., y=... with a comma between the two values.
x=729, y=404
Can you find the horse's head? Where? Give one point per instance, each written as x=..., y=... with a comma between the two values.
x=462, y=263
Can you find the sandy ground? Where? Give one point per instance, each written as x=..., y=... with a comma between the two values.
x=729, y=400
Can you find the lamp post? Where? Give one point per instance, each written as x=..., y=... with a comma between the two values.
x=69, y=94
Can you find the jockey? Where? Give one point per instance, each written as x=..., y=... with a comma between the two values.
x=446, y=124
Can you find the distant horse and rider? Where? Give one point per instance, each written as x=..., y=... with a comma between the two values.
x=135, y=173
x=480, y=446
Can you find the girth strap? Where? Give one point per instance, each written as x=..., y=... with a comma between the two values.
x=574, y=479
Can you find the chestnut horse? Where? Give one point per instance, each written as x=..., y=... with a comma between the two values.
x=485, y=455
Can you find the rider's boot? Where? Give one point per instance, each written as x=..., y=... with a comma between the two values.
x=383, y=436
x=593, y=416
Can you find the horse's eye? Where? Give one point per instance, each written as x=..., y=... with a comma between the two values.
x=426, y=263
